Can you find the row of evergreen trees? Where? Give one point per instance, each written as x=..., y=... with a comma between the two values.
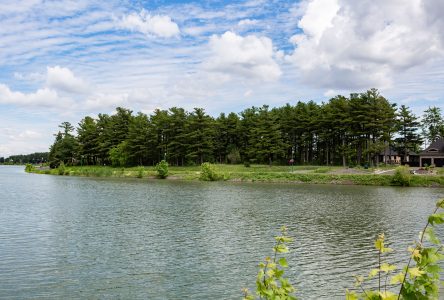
x=33, y=158
x=344, y=131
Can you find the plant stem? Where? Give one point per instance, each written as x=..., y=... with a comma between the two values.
x=379, y=273
x=410, y=259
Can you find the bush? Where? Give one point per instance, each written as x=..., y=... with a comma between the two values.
x=61, y=169
x=29, y=168
x=208, y=172
x=247, y=163
x=234, y=156
x=140, y=172
x=402, y=176
x=162, y=169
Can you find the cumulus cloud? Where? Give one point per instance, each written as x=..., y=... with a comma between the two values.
x=346, y=44
x=63, y=79
x=21, y=141
x=158, y=25
x=42, y=97
x=248, y=57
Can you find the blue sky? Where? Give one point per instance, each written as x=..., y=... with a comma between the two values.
x=63, y=60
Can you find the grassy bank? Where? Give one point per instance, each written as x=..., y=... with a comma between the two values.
x=256, y=173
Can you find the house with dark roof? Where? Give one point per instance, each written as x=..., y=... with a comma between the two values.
x=433, y=154
x=391, y=156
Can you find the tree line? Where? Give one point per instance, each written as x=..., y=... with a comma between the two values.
x=33, y=158
x=343, y=131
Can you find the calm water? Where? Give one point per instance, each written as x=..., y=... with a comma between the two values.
x=67, y=237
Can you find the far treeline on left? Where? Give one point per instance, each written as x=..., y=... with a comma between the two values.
x=345, y=131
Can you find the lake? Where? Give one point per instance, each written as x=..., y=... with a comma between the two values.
x=67, y=237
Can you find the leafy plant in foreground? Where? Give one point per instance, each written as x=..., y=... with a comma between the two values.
x=270, y=281
x=418, y=281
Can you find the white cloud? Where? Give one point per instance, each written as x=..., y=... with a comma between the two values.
x=21, y=141
x=350, y=45
x=250, y=57
x=247, y=22
x=63, y=79
x=158, y=25
x=103, y=101
x=34, y=77
x=42, y=97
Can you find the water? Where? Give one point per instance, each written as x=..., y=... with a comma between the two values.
x=66, y=237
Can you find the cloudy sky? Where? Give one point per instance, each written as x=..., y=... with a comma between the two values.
x=62, y=60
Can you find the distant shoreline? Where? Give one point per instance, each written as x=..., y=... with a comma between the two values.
x=260, y=173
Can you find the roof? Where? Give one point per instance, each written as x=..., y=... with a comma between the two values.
x=435, y=149
x=390, y=151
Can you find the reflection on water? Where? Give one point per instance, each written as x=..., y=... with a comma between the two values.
x=65, y=237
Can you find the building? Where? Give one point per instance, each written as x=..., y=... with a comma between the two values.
x=433, y=155
x=391, y=156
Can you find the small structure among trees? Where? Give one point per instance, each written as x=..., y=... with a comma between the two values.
x=433, y=155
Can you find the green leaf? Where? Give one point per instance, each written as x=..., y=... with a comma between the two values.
x=414, y=272
x=431, y=237
x=373, y=273
x=436, y=218
x=283, y=262
x=387, y=268
x=440, y=203
x=281, y=248
x=350, y=295
x=398, y=278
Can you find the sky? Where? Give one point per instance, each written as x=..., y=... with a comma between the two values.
x=63, y=60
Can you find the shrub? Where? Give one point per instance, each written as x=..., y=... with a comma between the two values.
x=140, y=172
x=29, y=168
x=402, y=176
x=208, y=172
x=61, y=168
x=247, y=163
x=234, y=156
x=162, y=169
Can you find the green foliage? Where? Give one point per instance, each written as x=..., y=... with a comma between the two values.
x=140, y=172
x=208, y=172
x=29, y=168
x=342, y=131
x=402, y=176
x=270, y=282
x=419, y=279
x=234, y=156
x=61, y=168
x=162, y=169
x=322, y=170
x=119, y=155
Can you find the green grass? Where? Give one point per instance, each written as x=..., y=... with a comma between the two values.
x=255, y=173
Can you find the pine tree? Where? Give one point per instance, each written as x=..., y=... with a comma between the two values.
x=432, y=124
x=409, y=138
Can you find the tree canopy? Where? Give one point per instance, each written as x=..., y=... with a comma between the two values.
x=343, y=131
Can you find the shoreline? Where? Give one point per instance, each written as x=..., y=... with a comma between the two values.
x=302, y=175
